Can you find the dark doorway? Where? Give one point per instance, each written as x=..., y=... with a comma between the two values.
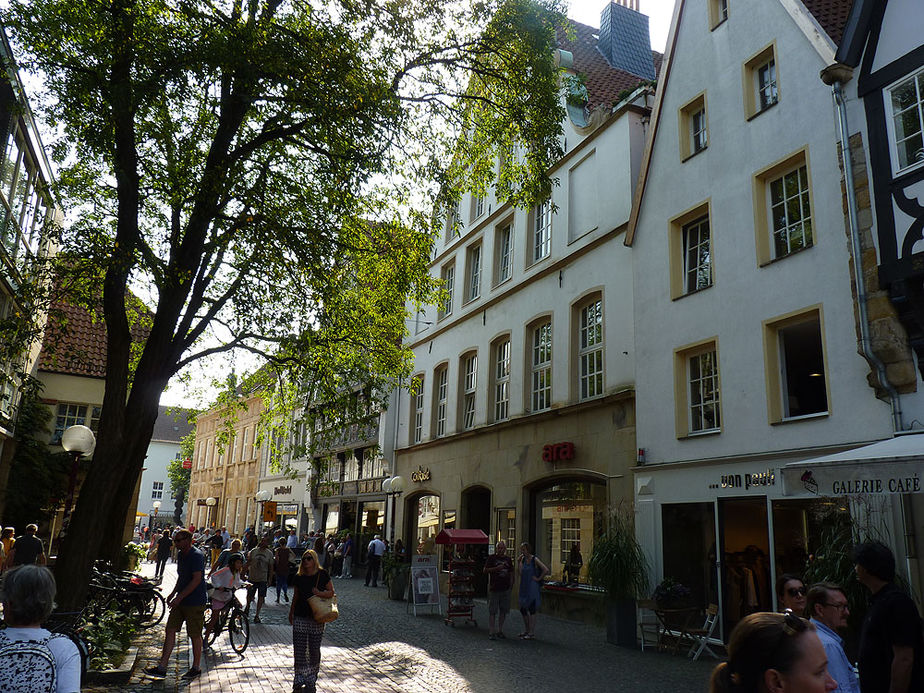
x=476, y=514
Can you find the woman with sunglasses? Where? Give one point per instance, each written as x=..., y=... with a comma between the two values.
x=790, y=594
x=773, y=653
x=311, y=580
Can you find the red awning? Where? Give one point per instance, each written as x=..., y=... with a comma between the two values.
x=461, y=536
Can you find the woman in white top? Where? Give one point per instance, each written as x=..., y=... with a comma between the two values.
x=224, y=582
x=28, y=598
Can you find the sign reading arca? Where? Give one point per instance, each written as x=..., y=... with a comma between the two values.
x=558, y=452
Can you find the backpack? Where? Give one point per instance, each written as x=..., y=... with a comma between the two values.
x=28, y=665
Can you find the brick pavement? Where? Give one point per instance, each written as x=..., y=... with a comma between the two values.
x=377, y=647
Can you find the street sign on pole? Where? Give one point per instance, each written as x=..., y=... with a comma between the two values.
x=269, y=511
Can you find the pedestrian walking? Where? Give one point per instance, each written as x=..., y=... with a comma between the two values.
x=532, y=570
x=311, y=580
x=790, y=594
x=187, y=603
x=374, y=559
x=499, y=569
x=891, y=650
x=281, y=568
x=27, y=549
x=827, y=606
x=164, y=545
x=259, y=572
x=773, y=652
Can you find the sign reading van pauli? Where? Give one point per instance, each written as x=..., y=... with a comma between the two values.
x=746, y=481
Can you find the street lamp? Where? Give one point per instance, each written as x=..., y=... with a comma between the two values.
x=393, y=488
x=261, y=497
x=211, y=502
x=156, y=506
x=79, y=441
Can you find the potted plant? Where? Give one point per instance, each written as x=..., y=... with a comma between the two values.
x=670, y=594
x=396, y=573
x=617, y=564
x=132, y=555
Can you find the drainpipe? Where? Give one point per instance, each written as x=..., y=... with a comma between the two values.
x=897, y=423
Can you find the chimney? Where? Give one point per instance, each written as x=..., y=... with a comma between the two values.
x=625, y=41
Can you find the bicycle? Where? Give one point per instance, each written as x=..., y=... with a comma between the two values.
x=233, y=617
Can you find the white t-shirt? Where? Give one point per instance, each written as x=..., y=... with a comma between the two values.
x=67, y=657
x=221, y=579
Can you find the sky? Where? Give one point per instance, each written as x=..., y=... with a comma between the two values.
x=659, y=13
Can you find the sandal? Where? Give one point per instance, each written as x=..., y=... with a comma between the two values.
x=528, y=636
x=522, y=635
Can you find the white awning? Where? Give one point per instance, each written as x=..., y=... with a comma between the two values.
x=888, y=467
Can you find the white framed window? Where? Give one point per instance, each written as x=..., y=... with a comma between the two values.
x=473, y=278
x=502, y=380
x=570, y=535
x=541, y=367
x=542, y=230
x=419, y=410
x=697, y=255
x=67, y=415
x=698, y=130
x=477, y=207
x=704, y=394
x=790, y=212
x=694, y=131
x=245, y=434
x=718, y=12
x=503, y=252
x=590, y=349
x=453, y=219
x=761, y=82
x=441, y=396
x=905, y=106
x=469, y=384
x=157, y=490
x=448, y=275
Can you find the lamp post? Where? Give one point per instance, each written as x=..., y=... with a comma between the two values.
x=393, y=488
x=211, y=502
x=156, y=506
x=261, y=497
x=79, y=441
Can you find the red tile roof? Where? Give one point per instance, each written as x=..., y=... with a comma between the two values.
x=75, y=342
x=831, y=15
x=604, y=83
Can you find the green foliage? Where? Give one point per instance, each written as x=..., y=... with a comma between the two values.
x=618, y=563
x=108, y=635
x=38, y=478
x=178, y=476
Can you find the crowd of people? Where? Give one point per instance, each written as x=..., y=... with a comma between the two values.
x=802, y=649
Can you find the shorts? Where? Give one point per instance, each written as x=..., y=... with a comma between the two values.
x=193, y=615
x=499, y=601
x=259, y=588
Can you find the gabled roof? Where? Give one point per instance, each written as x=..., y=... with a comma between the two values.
x=831, y=15
x=75, y=341
x=604, y=83
x=172, y=424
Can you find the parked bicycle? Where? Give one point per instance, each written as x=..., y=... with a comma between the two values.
x=232, y=618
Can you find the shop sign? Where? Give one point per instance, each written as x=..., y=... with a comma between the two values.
x=421, y=475
x=288, y=509
x=746, y=481
x=558, y=452
x=282, y=490
x=846, y=484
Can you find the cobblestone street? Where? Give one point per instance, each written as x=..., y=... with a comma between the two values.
x=376, y=646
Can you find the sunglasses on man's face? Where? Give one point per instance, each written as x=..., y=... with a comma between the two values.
x=795, y=591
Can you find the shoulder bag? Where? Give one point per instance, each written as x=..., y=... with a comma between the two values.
x=324, y=610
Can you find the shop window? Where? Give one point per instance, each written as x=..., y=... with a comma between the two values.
x=427, y=517
x=506, y=529
x=689, y=549
x=449, y=522
x=795, y=363
x=799, y=527
x=567, y=513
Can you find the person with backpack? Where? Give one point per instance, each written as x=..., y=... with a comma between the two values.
x=32, y=658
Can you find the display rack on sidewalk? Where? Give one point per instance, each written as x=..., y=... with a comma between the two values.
x=461, y=573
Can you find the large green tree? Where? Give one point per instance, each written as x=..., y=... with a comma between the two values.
x=265, y=175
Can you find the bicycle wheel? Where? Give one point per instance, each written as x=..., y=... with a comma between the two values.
x=238, y=631
x=155, y=608
x=219, y=624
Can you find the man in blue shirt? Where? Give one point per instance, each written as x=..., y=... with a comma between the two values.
x=826, y=604
x=187, y=603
